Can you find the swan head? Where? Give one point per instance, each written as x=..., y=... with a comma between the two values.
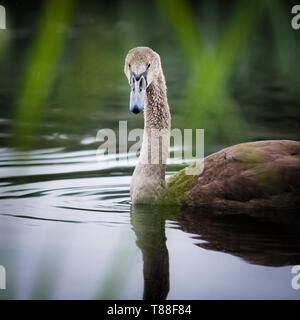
x=142, y=67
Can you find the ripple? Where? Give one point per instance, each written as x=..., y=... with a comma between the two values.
x=66, y=193
x=74, y=186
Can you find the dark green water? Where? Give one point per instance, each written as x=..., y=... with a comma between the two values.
x=67, y=227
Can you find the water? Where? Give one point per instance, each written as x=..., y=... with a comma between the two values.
x=67, y=226
x=69, y=231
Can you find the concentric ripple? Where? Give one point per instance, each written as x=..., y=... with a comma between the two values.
x=65, y=186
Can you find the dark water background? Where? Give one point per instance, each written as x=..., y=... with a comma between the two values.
x=67, y=227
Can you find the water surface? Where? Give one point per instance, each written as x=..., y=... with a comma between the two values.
x=76, y=236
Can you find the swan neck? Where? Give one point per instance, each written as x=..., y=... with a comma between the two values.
x=149, y=175
x=157, y=114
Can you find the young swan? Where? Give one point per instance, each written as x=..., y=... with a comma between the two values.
x=148, y=91
x=248, y=175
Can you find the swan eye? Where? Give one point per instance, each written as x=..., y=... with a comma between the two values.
x=129, y=65
x=148, y=65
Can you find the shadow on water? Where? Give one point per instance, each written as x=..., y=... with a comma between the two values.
x=265, y=238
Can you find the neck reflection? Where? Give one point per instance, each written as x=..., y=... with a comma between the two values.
x=149, y=226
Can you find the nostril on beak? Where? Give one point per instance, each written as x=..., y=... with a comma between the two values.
x=143, y=84
x=135, y=109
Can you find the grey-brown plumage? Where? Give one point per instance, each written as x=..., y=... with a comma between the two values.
x=250, y=175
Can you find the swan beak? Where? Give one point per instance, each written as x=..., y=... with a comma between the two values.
x=138, y=92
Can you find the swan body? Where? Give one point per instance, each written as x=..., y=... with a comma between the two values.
x=248, y=175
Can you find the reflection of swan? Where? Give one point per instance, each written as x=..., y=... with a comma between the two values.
x=149, y=227
x=257, y=174
x=263, y=238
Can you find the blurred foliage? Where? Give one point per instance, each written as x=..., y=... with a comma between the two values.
x=286, y=45
x=231, y=70
x=40, y=68
x=208, y=103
